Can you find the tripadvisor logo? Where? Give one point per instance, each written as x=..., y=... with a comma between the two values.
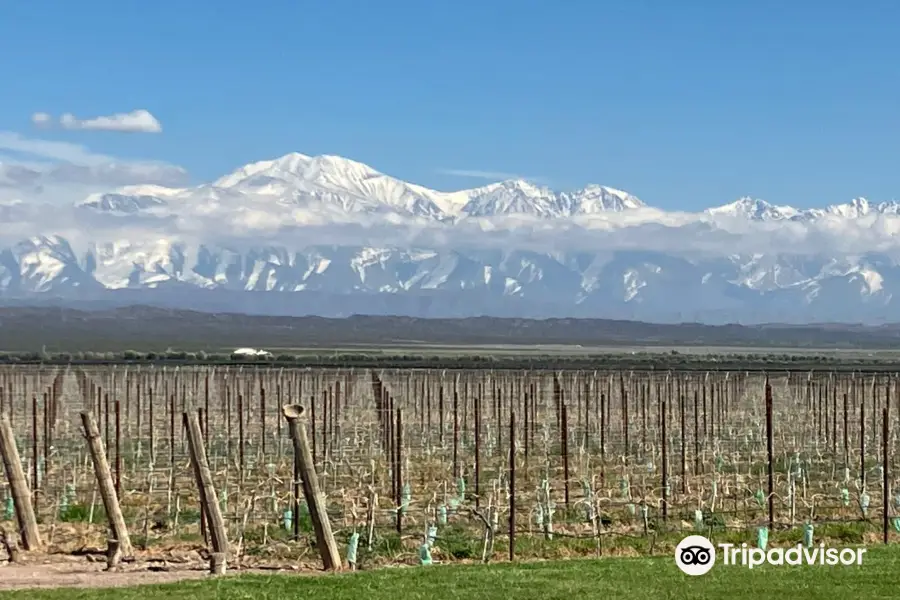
x=696, y=555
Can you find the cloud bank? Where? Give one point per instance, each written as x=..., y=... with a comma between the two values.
x=43, y=171
x=42, y=181
x=243, y=226
x=136, y=121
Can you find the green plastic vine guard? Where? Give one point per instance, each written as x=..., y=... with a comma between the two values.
x=896, y=522
x=223, y=501
x=551, y=510
x=287, y=519
x=589, y=500
x=698, y=519
x=548, y=509
x=432, y=535
x=67, y=500
x=760, y=497
x=623, y=486
x=630, y=508
x=720, y=462
x=539, y=516
x=845, y=496
x=10, y=509
x=442, y=515
x=864, y=502
x=808, y=534
x=425, y=555
x=762, y=538
x=352, y=546
x=405, y=498
x=461, y=489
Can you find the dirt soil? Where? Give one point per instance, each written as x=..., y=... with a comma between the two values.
x=87, y=572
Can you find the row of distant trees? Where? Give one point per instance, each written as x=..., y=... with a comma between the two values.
x=636, y=360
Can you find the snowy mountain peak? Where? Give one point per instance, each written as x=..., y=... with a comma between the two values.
x=291, y=164
x=754, y=210
x=522, y=185
x=595, y=198
x=858, y=207
x=595, y=188
x=364, y=241
x=325, y=187
x=121, y=203
x=512, y=197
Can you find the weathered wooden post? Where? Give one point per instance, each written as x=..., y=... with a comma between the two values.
x=25, y=518
x=512, y=483
x=885, y=481
x=210, y=502
x=120, y=544
x=9, y=542
x=303, y=459
x=770, y=454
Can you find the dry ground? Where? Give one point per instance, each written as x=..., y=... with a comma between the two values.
x=49, y=571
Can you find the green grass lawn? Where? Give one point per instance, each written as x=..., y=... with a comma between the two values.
x=635, y=578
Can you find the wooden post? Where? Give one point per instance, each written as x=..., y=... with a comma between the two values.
x=106, y=484
x=564, y=430
x=665, y=462
x=208, y=498
x=25, y=518
x=9, y=542
x=885, y=482
x=770, y=454
x=303, y=458
x=512, y=484
x=398, y=469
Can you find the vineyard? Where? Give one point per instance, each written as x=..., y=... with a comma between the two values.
x=421, y=466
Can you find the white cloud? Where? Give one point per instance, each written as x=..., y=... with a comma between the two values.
x=41, y=119
x=47, y=149
x=136, y=121
x=61, y=172
x=489, y=175
x=64, y=173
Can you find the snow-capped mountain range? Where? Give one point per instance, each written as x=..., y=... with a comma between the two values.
x=331, y=236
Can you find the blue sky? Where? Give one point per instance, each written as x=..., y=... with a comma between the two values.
x=685, y=104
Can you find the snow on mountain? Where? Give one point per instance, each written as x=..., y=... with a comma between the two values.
x=323, y=183
x=760, y=210
x=860, y=207
x=121, y=203
x=350, y=185
x=595, y=199
x=754, y=210
x=512, y=197
x=326, y=235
